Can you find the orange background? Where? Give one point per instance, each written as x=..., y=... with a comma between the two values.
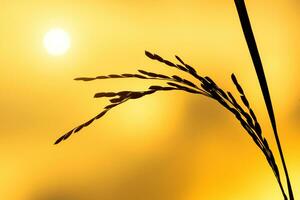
x=167, y=146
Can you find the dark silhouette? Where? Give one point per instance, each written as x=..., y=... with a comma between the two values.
x=249, y=36
x=207, y=87
x=243, y=113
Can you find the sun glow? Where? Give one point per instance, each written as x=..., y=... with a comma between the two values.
x=57, y=42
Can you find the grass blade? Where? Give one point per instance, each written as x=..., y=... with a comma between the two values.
x=250, y=39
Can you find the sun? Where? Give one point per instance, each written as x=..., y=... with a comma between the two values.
x=57, y=42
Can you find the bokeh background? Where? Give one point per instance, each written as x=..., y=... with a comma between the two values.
x=167, y=146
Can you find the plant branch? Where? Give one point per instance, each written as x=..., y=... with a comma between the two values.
x=206, y=87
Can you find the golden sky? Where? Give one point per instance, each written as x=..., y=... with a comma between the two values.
x=167, y=146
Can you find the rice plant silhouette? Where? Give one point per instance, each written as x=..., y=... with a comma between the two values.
x=207, y=87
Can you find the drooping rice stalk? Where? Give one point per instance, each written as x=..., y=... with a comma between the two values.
x=204, y=86
x=207, y=87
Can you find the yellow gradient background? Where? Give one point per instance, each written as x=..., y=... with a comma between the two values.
x=167, y=146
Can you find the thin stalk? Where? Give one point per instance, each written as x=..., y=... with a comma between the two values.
x=249, y=36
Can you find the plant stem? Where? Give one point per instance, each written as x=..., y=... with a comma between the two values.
x=248, y=33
